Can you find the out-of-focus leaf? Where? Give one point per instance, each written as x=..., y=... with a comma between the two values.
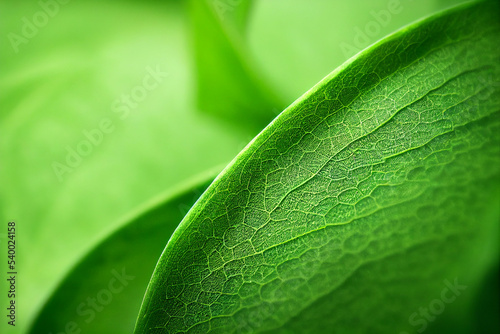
x=56, y=92
x=229, y=85
x=359, y=204
x=96, y=297
x=233, y=13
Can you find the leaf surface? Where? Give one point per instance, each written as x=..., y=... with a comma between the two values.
x=359, y=203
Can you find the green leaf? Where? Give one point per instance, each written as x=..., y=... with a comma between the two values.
x=229, y=85
x=359, y=204
x=96, y=297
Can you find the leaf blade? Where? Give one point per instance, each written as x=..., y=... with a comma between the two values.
x=342, y=178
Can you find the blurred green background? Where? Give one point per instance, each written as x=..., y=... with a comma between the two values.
x=162, y=91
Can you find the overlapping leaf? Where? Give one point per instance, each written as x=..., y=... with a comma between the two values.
x=229, y=84
x=103, y=293
x=353, y=208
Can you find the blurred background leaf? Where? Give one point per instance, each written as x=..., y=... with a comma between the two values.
x=229, y=84
x=65, y=81
x=133, y=249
